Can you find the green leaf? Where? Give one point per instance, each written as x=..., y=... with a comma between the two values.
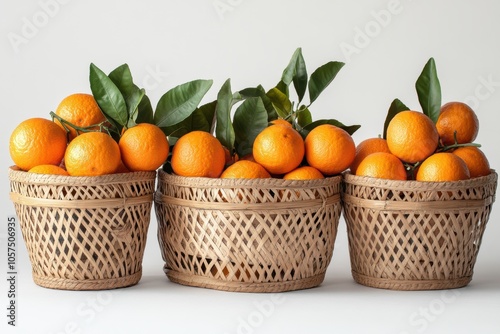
x=304, y=116
x=122, y=78
x=208, y=112
x=291, y=69
x=250, y=118
x=349, y=128
x=429, y=90
x=145, y=112
x=108, y=96
x=300, y=77
x=179, y=102
x=259, y=91
x=280, y=102
x=283, y=87
x=133, y=101
x=321, y=78
x=396, y=107
x=224, y=130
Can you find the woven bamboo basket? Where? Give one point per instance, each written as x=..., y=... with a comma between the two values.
x=409, y=235
x=84, y=233
x=259, y=235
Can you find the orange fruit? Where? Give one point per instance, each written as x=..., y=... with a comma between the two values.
x=198, y=153
x=245, y=169
x=443, y=166
x=48, y=169
x=37, y=141
x=382, y=165
x=475, y=160
x=329, y=149
x=412, y=136
x=144, y=147
x=279, y=148
x=459, y=117
x=304, y=173
x=367, y=147
x=92, y=154
x=81, y=110
x=281, y=121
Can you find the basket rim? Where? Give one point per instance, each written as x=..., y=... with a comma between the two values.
x=264, y=183
x=18, y=175
x=413, y=185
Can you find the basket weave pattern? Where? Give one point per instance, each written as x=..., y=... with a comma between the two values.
x=263, y=235
x=408, y=235
x=84, y=233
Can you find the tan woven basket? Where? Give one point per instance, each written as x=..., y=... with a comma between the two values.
x=84, y=233
x=409, y=235
x=262, y=235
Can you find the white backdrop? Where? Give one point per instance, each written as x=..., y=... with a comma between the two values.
x=46, y=49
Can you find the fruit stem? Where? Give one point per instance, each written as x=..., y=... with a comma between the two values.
x=79, y=129
x=456, y=145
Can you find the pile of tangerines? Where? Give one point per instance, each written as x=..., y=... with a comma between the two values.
x=278, y=151
x=77, y=143
x=416, y=148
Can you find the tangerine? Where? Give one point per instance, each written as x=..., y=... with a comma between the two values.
x=443, y=166
x=279, y=148
x=144, y=147
x=329, y=149
x=81, y=110
x=92, y=154
x=382, y=165
x=367, y=147
x=475, y=160
x=459, y=118
x=198, y=153
x=37, y=141
x=245, y=169
x=412, y=136
x=304, y=173
x=48, y=169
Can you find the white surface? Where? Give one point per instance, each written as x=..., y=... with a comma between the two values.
x=170, y=42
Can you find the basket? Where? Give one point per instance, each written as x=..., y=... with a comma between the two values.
x=84, y=233
x=410, y=235
x=254, y=235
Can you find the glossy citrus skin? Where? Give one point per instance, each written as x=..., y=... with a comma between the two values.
x=81, y=110
x=37, y=141
x=92, y=154
x=382, y=165
x=198, y=154
x=144, y=147
x=279, y=148
x=441, y=167
x=412, y=136
x=367, y=147
x=329, y=149
x=459, y=117
x=48, y=169
x=475, y=160
x=245, y=169
x=304, y=173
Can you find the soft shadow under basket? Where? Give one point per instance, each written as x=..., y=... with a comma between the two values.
x=255, y=235
x=410, y=235
x=84, y=233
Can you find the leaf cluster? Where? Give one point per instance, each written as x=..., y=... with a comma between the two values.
x=179, y=111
